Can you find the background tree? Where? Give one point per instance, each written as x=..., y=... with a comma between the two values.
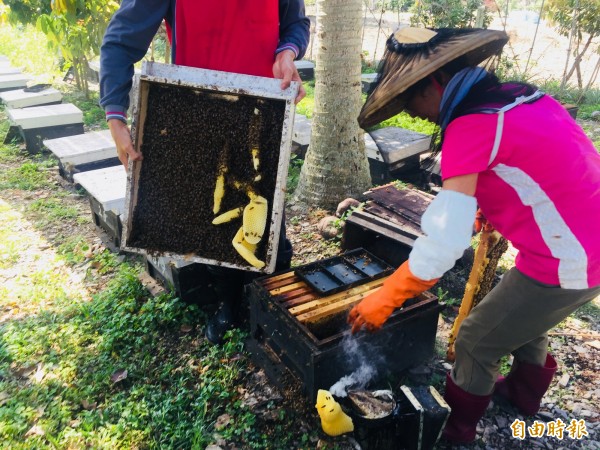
x=26, y=11
x=336, y=164
x=579, y=20
x=75, y=28
x=449, y=13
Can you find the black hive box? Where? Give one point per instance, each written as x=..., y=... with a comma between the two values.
x=294, y=326
x=190, y=124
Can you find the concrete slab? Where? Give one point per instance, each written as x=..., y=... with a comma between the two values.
x=45, y=116
x=19, y=98
x=107, y=186
x=83, y=148
x=396, y=144
x=13, y=81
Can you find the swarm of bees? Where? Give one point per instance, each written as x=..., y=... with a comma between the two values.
x=254, y=214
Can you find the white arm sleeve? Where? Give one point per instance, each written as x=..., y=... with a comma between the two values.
x=448, y=227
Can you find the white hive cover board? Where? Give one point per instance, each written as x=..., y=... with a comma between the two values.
x=45, y=116
x=21, y=99
x=3, y=58
x=8, y=70
x=302, y=130
x=372, y=149
x=369, y=77
x=107, y=186
x=396, y=144
x=13, y=81
x=83, y=148
x=304, y=64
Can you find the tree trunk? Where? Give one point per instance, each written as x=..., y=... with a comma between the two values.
x=336, y=163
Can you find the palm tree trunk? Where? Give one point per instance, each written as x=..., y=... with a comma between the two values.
x=336, y=164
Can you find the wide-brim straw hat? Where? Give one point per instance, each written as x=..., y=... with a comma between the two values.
x=412, y=54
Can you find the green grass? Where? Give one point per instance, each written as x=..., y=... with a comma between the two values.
x=56, y=369
x=93, y=114
x=28, y=177
x=51, y=210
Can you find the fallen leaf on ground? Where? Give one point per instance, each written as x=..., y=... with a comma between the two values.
x=118, y=375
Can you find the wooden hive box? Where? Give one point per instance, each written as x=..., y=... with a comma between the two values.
x=388, y=224
x=295, y=327
x=197, y=128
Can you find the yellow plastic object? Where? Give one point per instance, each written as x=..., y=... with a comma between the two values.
x=246, y=250
x=228, y=216
x=334, y=421
x=255, y=159
x=219, y=190
x=255, y=218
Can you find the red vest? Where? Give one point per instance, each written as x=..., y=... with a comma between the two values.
x=238, y=36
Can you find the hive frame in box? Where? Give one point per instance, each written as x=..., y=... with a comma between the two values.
x=217, y=82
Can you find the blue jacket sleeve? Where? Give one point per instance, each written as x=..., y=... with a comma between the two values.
x=294, y=27
x=126, y=41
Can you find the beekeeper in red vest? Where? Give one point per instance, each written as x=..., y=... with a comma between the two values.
x=260, y=38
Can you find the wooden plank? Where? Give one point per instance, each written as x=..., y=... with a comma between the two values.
x=384, y=227
x=299, y=292
x=390, y=215
x=281, y=283
x=322, y=302
x=299, y=300
x=407, y=203
x=287, y=288
x=334, y=308
x=283, y=277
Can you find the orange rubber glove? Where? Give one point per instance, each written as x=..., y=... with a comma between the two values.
x=481, y=223
x=375, y=309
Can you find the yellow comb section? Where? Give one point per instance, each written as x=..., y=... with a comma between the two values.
x=246, y=250
x=255, y=219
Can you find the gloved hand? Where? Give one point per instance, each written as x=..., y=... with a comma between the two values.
x=481, y=223
x=376, y=308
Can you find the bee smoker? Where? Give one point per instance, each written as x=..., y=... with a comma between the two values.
x=416, y=422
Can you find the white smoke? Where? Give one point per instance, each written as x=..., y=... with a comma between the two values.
x=360, y=377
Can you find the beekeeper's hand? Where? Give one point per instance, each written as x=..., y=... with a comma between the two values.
x=122, y=136
x=373, y=311
x=481, y=223
x=285, y=69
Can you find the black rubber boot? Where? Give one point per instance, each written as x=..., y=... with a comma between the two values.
x=228, y=285
x=221, y=322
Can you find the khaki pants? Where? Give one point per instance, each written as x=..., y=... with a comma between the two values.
x=513, y=318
